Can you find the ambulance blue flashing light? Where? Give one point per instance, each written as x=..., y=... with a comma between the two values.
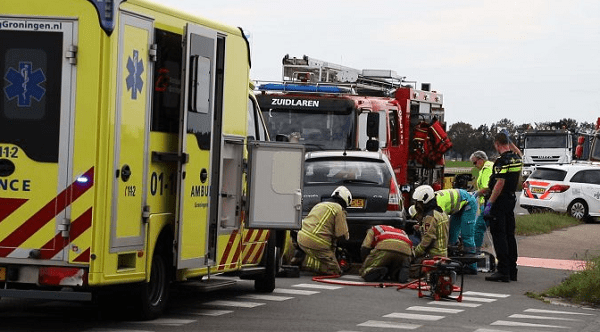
x=302, y=88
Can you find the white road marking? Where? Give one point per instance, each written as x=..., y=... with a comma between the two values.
x=208, y=312
x=478, y=299
x=434, y=309
x=318, y=286
x=541, y=317
x=265, y=297
x=455, y=304
x=167, y=321
x=294, y=291
x=238, y=304
x=486, y=294
x=521, y=324
x=389, y=325
x=413, y=316
x=543, y=311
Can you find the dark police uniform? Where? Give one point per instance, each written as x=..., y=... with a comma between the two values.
x=502, y=216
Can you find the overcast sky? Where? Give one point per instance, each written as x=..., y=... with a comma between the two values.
x=528, y=61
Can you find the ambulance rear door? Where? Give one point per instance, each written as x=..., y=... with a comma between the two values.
x=134, y=74
x=37, y=65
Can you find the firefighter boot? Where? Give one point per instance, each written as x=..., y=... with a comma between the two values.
x=375, y=274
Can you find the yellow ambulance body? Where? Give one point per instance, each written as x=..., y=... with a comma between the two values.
x=127, y=133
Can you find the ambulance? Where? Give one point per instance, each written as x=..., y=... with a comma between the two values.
x=133, y=154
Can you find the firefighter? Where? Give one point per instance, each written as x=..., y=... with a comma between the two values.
x=480, y=160
x=324, y=224
x=499, y=209
x=462, y=208
x=433, y=224
x=386, y=252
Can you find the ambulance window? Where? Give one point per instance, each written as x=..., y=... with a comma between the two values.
x=200, y=120
x=256, y=129
x=167, y=82
x=30, y=64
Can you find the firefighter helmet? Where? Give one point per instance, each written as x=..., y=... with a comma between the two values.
x=412, y=211
x=423, y=194
x=343, y=193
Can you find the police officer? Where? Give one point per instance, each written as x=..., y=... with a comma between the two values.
x=480, y=160
x=433, y=224
x=388, y=252
x=462, y=209
x=499, y=209
x=324, y=224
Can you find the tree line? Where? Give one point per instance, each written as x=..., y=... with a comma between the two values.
x=466, y=139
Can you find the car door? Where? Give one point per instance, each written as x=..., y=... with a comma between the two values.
x=586, y=184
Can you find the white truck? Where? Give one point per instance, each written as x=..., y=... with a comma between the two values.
x=545, y=147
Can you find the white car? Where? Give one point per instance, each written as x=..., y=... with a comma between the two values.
x=572, y=189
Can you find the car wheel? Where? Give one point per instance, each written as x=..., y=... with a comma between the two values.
x=578, y=209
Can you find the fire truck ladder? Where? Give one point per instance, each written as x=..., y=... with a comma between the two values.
x=313, y=72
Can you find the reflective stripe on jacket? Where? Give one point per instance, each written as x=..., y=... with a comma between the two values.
x=449, y=200
x=323, y=224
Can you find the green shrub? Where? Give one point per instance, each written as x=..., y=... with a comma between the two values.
x=582, y=286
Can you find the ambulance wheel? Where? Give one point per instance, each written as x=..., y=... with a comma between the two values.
x=154, y=294
x=266, y=283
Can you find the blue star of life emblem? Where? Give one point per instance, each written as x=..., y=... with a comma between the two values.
x=25, y=84
x=134, y=80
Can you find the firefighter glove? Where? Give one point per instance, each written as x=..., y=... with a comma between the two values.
x=487, y=209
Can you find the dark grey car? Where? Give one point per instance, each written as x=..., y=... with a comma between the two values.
x=376, y=198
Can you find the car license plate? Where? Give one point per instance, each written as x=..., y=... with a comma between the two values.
x=537, y=190
x=357, y=203
x=2, y=274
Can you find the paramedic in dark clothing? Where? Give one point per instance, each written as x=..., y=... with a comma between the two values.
x=499, y=210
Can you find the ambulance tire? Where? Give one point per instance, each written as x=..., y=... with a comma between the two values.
x=266, y=283
x=154, y=295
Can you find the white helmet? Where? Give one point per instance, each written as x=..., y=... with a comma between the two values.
x=412, y=211
x=343, y=193
x=423, y=194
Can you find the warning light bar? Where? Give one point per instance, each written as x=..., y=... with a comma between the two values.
x=302, y=88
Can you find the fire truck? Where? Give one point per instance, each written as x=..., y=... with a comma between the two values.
x=327, y=106
x=133, y=154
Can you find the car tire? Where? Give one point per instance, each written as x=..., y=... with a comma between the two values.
x=578, y=209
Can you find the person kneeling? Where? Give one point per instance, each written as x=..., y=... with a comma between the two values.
x=388, y=251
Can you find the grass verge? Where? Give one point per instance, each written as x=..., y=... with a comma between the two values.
x=580, y=287
x=541, y=223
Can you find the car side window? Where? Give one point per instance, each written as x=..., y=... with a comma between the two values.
x=587, y=176
x=579, y=177
x=594, y=177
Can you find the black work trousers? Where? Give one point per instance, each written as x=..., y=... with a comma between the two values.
x=502, y=227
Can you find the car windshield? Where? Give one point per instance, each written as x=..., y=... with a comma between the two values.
x=548, y=174
x=347, y=171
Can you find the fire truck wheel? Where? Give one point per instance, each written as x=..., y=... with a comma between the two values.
x=266, y=283
x=155, y=293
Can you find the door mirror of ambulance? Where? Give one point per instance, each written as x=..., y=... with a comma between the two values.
x=373, y=124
